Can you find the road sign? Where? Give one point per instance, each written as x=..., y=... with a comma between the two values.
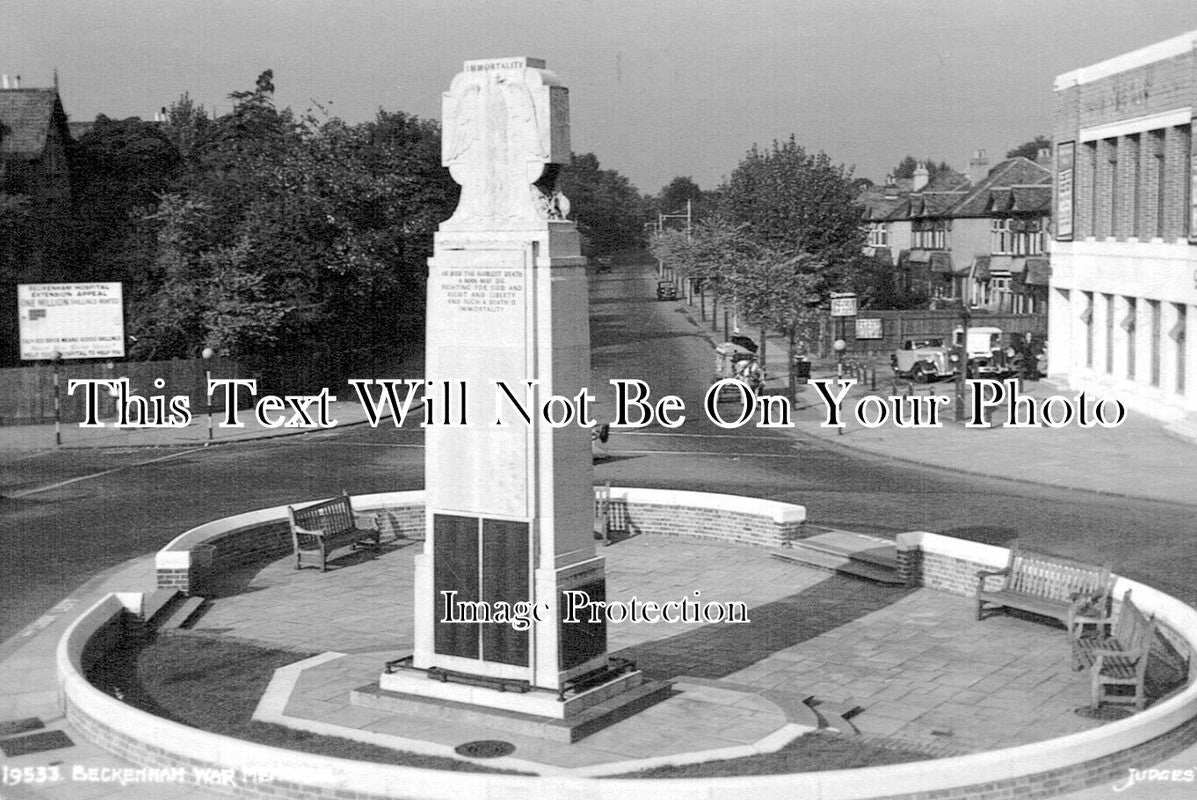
x=70, y=320
x=868, y=328
x=843, y=304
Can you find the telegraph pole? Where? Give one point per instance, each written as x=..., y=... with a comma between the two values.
x=962, y=360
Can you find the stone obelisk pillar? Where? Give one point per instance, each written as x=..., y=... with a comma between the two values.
x=509, y=501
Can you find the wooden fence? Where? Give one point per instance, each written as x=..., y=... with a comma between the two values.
x=898, y=326
x=27, y=393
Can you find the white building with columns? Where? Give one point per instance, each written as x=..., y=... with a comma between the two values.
x=1122, y=314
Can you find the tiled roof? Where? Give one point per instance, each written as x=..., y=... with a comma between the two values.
x=981, y=268
x=948, y=181
x=26, y=115
x=987, y=196
x=933, y=204
x=1039, y=271
x=941, y=262
x=933, y=200
x=1031, y=198
x=876, y=208
x=1000, y=201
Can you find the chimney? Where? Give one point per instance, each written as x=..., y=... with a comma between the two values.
x=978, y=167
x=1044, y=157
x=921, y=177
x=5, y=81
x=16, y=82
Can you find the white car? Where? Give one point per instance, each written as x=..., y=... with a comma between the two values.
x=923, y=360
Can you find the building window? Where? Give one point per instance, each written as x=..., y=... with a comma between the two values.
x=1153, y=310
x=1017, y=237
x=879, y=234
x=1000, y=235
x=1109, y=303
x=1161, y=163
x=1091, y=155
x=1087, y=321
x=1136, y=152
x=1000, y=296
x=1178, y=335
x=931, y=234
x=1129, y=325
x=1114, y=196
x=1186, y=187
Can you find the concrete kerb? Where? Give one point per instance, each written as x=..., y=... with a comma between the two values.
x=1084, y=757
x=864, y=450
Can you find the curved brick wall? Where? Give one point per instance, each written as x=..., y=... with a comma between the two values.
x=1100, y=755
x=260, y=536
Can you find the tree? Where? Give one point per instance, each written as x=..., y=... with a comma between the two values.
x=118, y=170
x=710, y=256
x=872, y=280
x=779, y=291
x=608, y=209
x=906, y=167
x=187, y=126
x=1030, y=149
x=286, y=230
x=672, y=198
x=795, y=202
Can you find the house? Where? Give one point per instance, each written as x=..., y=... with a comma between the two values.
x=33, y=145
x=924, y=266
x=980, y=238
x=35, y=194
x=885, y=237
x=1123, y=296
x=1000, y=233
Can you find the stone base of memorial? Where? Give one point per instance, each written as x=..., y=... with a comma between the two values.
x=532, y=713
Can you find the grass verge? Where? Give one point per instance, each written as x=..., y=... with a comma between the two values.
x=808, y=753
x=214, y=684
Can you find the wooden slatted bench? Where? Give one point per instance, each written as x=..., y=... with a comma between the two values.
x=1047, y=585
x=1116, y=653
x=318, y=529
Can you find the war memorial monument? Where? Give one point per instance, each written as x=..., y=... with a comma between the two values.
x=450, y=647
x=509, y=496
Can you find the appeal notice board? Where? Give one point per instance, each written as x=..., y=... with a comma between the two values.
x=70, y=320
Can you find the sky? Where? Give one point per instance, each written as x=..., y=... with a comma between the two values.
x=658, y=88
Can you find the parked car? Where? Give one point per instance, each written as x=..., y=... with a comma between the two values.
x=987, y=358
x=923, y=360
x=931, y=358
x=666, y=290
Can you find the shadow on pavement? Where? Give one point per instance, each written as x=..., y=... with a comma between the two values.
x=716, y=651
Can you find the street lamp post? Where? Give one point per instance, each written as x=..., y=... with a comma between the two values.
x=839, y=347
x=207, y=356
x=57, y=359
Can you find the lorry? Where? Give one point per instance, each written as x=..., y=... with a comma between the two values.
x=932, y=358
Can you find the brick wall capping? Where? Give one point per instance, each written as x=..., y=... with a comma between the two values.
x=177, y=552
x=781, y=513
